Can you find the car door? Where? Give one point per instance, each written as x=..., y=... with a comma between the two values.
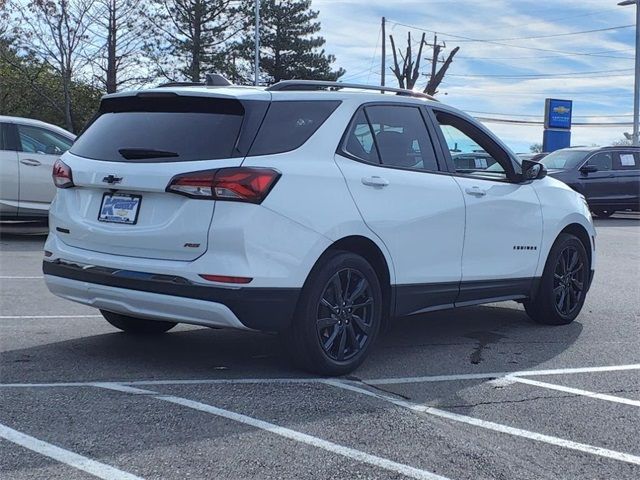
x=600, y=187
x=39, y=149
x=388, y=161
x=9, y=173
x=626, y=166
x=503, y=230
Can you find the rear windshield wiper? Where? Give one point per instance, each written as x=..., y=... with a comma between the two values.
x=137, y=153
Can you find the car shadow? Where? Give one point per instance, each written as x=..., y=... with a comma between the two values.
x=488, y=338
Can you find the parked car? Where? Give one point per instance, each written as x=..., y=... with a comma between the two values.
x=534, y=157
x=470, y=162
x=28, y=150
x=320, y=215
x=609, y=177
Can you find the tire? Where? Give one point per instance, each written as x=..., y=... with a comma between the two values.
x=138, y=326
x=332, y=333
x=562, y=290
x=603, y=213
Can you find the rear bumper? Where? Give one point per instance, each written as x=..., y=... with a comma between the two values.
x=172, y=298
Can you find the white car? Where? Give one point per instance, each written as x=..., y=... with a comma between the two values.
x=319, y=214
x=28, y=150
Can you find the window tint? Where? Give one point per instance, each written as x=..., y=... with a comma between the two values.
x=171, y=129
x=604, y=161
x=401, y=137
x=288, y=125
x=3, y=143
x=627, y=161
x=472, y=152
x=42, y=141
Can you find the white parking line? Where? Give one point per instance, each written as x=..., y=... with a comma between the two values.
x=10, y=317
x=506, y=376
x=497, y=427
x=8, y=277
x=67, y=457
x=354, y=454
x=478, y=376
x=576, y=391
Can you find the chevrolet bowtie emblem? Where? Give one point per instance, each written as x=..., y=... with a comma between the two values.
x=112, y=179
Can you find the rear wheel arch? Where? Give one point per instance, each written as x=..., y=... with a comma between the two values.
x=371, y=252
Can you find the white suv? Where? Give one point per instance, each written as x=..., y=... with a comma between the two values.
x=310, y=209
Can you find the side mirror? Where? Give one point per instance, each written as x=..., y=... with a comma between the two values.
x=586, y=169
x=533, y=170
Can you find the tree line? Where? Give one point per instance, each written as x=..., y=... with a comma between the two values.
x=57, y=57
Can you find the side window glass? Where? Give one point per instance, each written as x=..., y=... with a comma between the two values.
x=628, y=161
x=401, y=137
x=604, y=161
x=42, y=141
x=359, y=140
x=289, y=124
x=3, y=141
x=472, y=152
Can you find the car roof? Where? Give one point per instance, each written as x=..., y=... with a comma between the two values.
x=36, y=123
x=371, y=94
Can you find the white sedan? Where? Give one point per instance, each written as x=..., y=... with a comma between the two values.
x=28, y=150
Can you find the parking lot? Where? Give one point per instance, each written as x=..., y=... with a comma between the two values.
x=479, y=393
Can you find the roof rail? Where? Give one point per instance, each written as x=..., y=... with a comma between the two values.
x=293, y=85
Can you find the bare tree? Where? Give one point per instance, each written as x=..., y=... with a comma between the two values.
x=408, y=73
x=118, y=33
x=56, y=33
x=437, y=75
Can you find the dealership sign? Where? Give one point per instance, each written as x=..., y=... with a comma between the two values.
x=557, y=124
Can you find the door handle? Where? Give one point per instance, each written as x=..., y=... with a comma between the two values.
x=476, y=191
x=30, y=162
x=375, y=181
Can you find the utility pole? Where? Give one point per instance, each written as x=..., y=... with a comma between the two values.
x=436, y=55
x=257, y=45
x=383, y=63
x=636, y=89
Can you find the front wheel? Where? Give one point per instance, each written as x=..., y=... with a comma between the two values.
x=338, y=315
x=564, y=282
x=137, y=325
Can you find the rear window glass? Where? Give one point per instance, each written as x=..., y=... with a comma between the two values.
x=289, y=124
x=165, y=129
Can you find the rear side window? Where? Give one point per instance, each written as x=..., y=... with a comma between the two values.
x=627, y=161
x=165, y=129
x=289, y=124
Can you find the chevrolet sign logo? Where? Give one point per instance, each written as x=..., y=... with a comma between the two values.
x=561, y=110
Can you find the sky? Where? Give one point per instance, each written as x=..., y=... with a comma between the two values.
x=497, y=73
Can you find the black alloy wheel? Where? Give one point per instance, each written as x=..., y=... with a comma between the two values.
x=563, y=287
x=345, y=314
x=569, y=281
x=338, y=316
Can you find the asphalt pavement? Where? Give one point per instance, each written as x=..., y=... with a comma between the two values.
x=476, y=393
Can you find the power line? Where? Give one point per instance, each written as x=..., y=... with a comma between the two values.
x=492, y=42
x=566, y=34
x=537, y=116
x=591, y=74
x=536, y=57
x=534, y=123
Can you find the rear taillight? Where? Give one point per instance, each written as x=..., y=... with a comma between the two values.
x=240, y=184
x=61, y=174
